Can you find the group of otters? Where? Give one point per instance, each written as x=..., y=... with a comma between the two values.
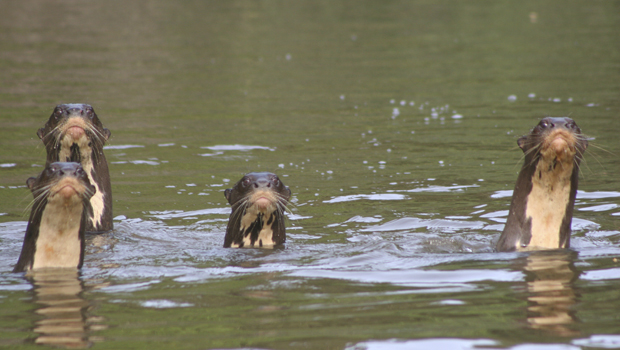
x=72, y=196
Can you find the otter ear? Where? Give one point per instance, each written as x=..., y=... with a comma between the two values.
x=41, y=133
x=521, y=142
x=30, y=182
x=289, y=193
x=227, y=194
x=106, y=133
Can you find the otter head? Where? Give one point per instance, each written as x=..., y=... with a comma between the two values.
x=263, y=190
x=556, y=140
x=66, y=182
x=258, y=201
x=72, y=132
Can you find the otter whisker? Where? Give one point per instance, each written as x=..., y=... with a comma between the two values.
x=30, y=206
x=285, y=208
x=88, y=193
x=30, y=202
x=601, y=148
x=96, y=138
x=41, y=191
x=280, y=219
x=241, y=201
x=40, y=198
x=576, y=164
x=283, y=205
x=280, y=207
x=283, y=199
x=56, y=138
x=237, y=215
x=580, y=159
x=595, y=156
x=239, y=209
x=54, y=131
x=536, y=154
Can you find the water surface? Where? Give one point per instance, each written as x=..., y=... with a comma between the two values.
x=394, y=123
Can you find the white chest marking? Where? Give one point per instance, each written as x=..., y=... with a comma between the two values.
x=97, y=200
x=58, y=244
x=265, y=236
x=546, y=204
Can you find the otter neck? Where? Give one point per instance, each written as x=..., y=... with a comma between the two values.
x=75, y=150
x=549, y=201
x=256, y=228
x=59, y=243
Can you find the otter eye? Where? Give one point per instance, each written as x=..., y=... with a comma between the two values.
x=246, y=182
x=544, y=124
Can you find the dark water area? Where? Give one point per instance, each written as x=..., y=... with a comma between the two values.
x=394, y=123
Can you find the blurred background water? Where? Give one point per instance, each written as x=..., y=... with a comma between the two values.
x=394, y=123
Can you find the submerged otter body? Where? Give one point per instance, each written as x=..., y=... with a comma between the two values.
x=59, y=215
x=74, y=133
x=542, y=204
x=258, y=201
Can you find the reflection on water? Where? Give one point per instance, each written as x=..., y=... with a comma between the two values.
x=393, y=344
x=65, y=322
x=393, y=122
x=550, y=277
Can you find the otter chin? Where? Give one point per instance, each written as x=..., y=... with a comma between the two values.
x=60, y=211
x=265, y=203
x=258, y=202
x=541, y=210
x=560, y=145
x=68, y=192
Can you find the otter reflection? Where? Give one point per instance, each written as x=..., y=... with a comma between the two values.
x=58, y=292
x=550, y=277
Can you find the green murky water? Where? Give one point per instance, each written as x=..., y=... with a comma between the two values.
x=394, y=123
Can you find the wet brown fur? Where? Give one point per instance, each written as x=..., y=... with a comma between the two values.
x=59, y=142
x=54, y=178
x=552, y=149
x=258, y=202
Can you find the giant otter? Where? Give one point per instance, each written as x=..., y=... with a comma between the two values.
x=258, y=201
x=74, y=133
x=58, y=219
x=542, y=204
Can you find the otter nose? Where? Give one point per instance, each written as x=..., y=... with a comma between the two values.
x=75, y=111
x=564, y=123
x=70, y=168
x=567, y=123
x=262, y=183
